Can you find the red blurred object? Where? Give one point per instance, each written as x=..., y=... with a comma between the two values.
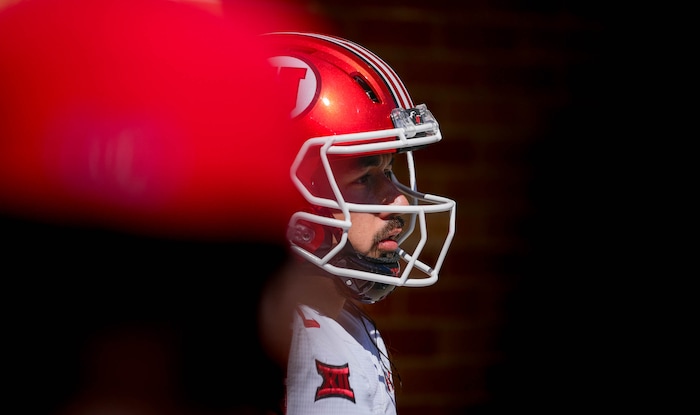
x=149, y=116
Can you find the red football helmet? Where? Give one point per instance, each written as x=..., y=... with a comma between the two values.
x=346, y=101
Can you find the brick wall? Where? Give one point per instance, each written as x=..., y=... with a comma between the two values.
x=510, y=83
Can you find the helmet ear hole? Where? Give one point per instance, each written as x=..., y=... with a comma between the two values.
x=365, y=86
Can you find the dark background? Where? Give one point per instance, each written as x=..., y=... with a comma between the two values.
x=529, y=98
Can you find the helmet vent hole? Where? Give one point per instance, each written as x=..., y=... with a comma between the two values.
x=365, y=86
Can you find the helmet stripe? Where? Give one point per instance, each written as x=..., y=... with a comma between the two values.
x=391, y=79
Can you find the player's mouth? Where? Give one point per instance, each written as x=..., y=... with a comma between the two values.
x=389, y=243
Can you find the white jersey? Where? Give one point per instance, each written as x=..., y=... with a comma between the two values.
x=337, y=367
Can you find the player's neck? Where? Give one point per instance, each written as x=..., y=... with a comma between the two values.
x=322, y=294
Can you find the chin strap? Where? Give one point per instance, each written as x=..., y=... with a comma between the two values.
x=349, y=258
x=362, y=290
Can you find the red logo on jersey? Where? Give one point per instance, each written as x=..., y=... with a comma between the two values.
x=308, y=322
x=388, y=381
x=336, y=382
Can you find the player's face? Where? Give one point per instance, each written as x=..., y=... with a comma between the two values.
x=365, y=180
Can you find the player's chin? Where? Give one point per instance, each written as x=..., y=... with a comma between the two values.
x=387, y=256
